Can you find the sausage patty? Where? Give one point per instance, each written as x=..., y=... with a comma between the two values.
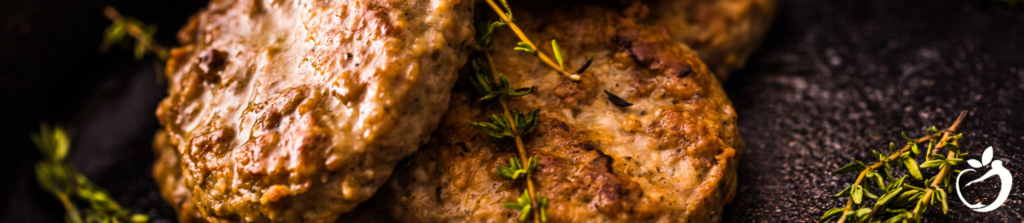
x=669, y=157
x=296, y=111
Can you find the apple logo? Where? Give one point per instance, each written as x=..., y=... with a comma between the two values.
x=1006, y=181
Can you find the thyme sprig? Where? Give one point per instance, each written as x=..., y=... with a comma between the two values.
x=512, y=123
x=71, y=187
x=527, y=46
x=142, y=33
x=899, y=193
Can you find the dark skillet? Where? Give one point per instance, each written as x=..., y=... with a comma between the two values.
x=833, y=80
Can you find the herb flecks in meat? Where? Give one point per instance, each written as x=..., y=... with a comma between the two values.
x=615, y=99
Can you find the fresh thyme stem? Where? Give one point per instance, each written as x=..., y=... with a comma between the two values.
x=894, y=156
x=863, y=173
x=946, y=169
x=66, y=201
x=519, y=142
x=547, y=60
x=137, y=33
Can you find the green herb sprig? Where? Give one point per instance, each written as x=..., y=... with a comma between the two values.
x=897, y=193
x=526, y=45
x=510, y=123
x=71, y=187
x=142, y=33
x=494, y=86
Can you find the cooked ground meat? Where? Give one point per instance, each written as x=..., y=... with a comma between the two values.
x=670, y=157
x=723, y=32
x=296, y=111
x=167, y=173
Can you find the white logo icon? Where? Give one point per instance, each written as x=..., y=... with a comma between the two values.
x=1006, y=181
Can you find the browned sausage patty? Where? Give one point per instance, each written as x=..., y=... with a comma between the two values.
x=296, y=111
x=670, y=157
x=723, y=32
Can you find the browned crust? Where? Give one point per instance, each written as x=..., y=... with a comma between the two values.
x=284, y=111
x=724, y=32
x=167, y=173
x=452, y=178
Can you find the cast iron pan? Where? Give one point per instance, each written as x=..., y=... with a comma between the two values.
x=833, y=80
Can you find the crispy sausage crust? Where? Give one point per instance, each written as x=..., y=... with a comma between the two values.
x=724, y=32
x=296, y=111
x=670, y=157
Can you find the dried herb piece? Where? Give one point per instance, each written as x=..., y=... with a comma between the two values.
x=586, y=65
x=615, y=99
x=686, y=70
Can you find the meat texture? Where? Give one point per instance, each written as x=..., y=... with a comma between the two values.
x=167, y=173
x=296, y=111
x=670, y=157
x=723, y=32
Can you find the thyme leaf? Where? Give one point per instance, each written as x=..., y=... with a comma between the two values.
x=489, y=89
x=852, y=167
x=543, y=204
x=522, y=204
x=500, y=126
x=830, y=215
x=525, y=47
x=558, y=53
x=889, y=196
x=515, y=170
x=485, y=39
x=933, y=164
x=952, y=147
x=857, y=194
x=911, y=165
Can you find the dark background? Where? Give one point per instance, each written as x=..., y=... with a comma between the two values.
x=833, y=80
